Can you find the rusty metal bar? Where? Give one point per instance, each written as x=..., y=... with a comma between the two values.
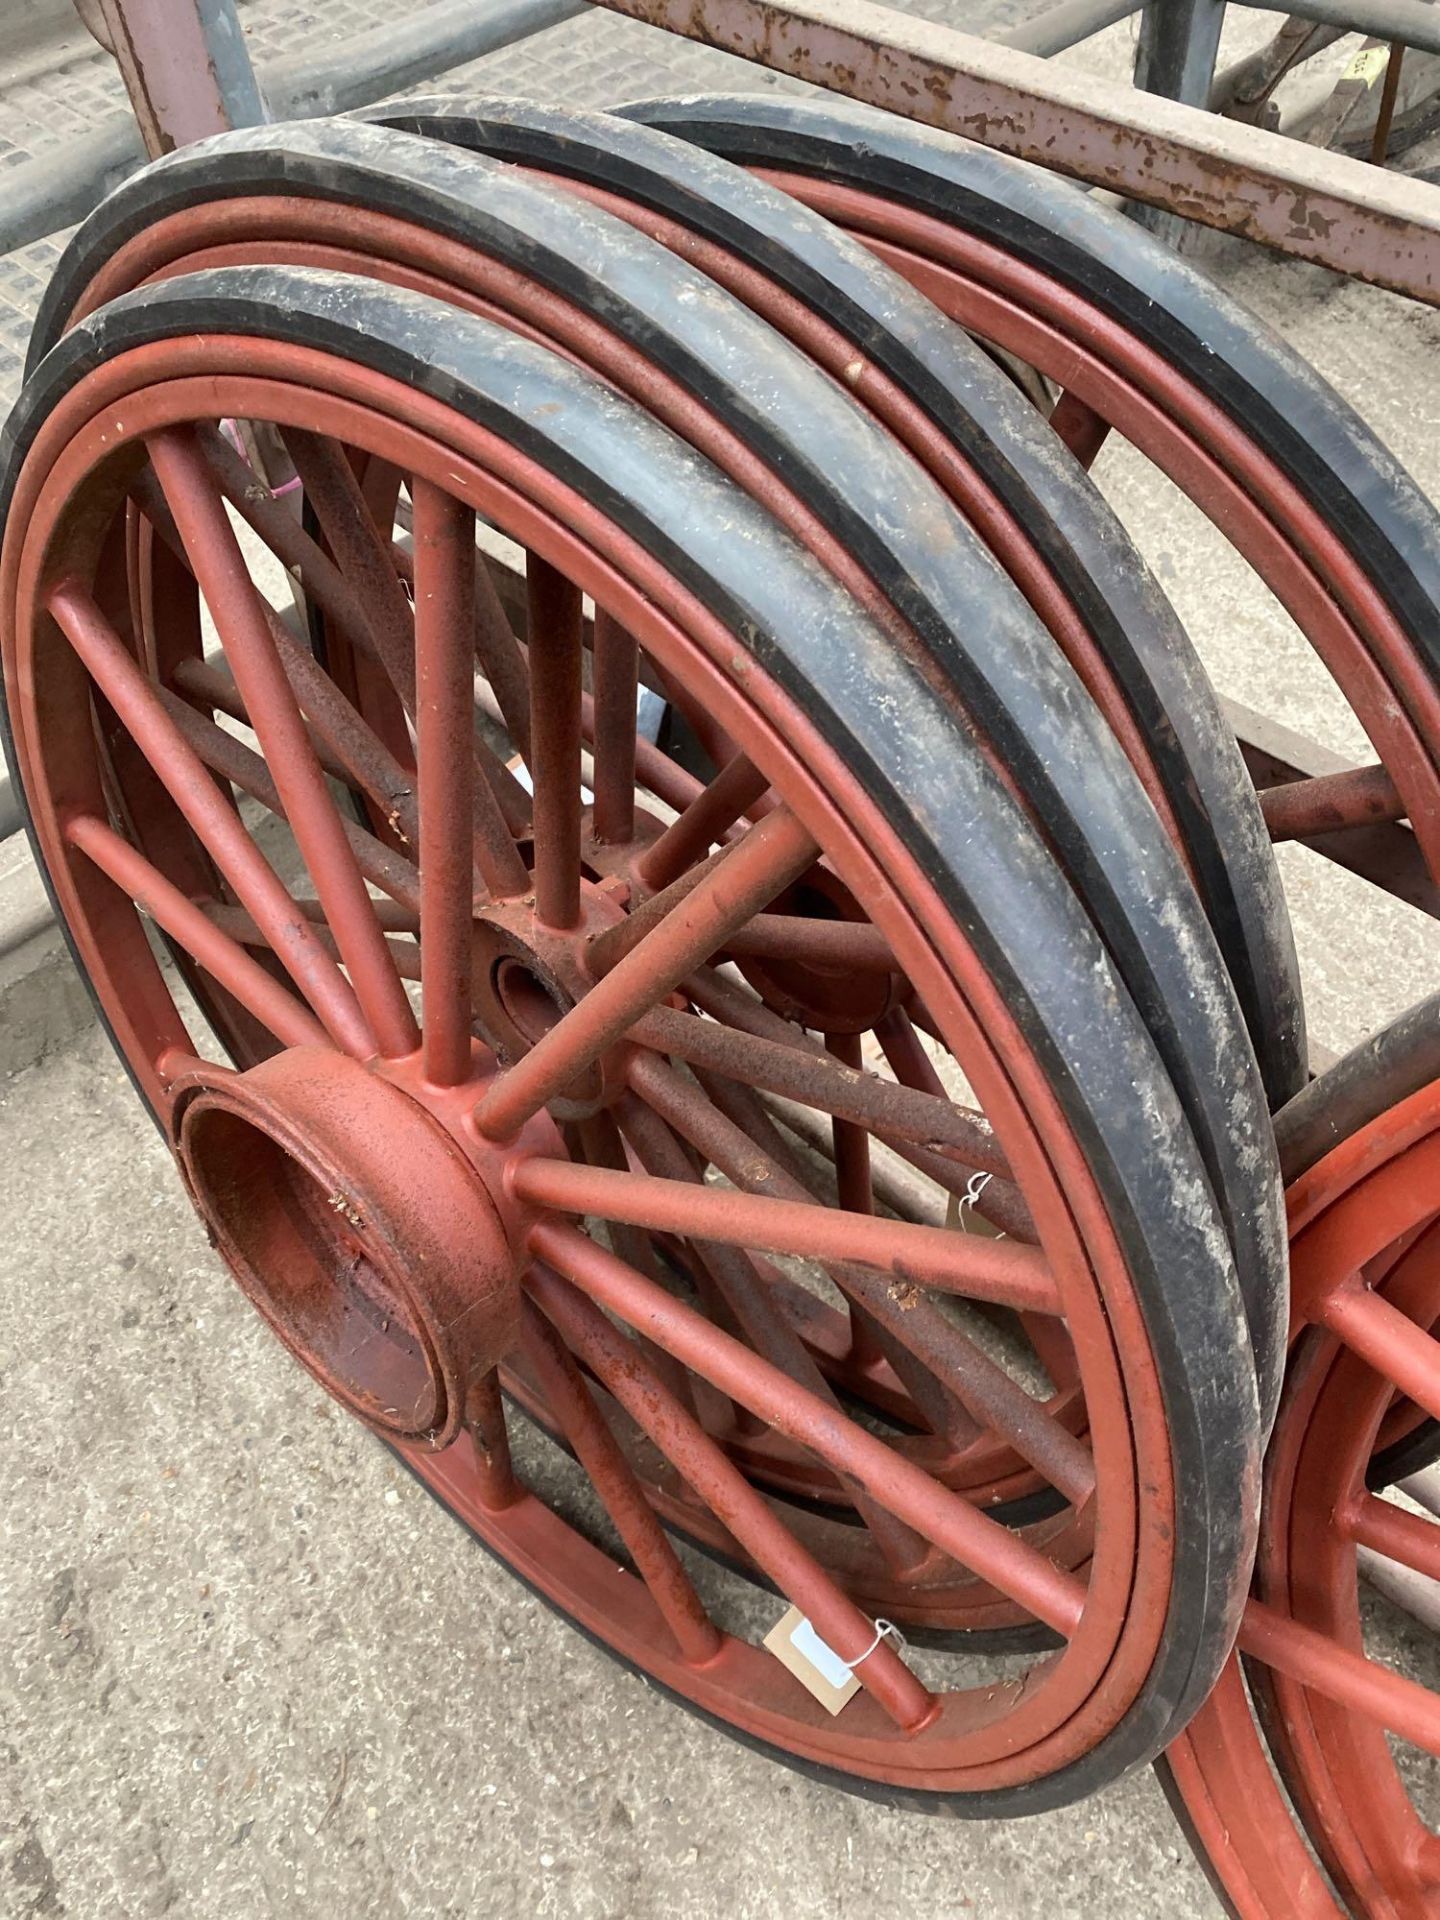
x=1384, y=853
x=1328, y=802
x=1341, y=213
x=185, y=67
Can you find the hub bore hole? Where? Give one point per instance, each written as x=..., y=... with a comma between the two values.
x=298, y=1245
x=530, y=1004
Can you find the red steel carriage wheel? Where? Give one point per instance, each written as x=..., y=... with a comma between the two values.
x=287, y=227
x=399, y=1201
x=1346, y=1729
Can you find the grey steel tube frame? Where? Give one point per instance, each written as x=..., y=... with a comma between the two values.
x=42, y=196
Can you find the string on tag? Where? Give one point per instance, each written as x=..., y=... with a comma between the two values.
x=884, y=1630
x=971, y=1196
x=975, y=1186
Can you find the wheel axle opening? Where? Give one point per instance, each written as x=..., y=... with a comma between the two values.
x=298, y=1246
x=531, y=1005
x=359, y=1229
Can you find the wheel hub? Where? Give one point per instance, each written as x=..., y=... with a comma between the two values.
x=527, y=976
x=376, y=1247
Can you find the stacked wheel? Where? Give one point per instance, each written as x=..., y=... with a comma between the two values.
x=811, y=1166
x=1349, y=1729
x=1138, y=346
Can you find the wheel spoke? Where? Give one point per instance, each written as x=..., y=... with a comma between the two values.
x=502, y=658
x=1398, y=1534
x=913, y=1067
x=602, y=1146
x=617, y=1489
x=490, y=1441
x=555, y=683
x=974, y=1147
x=1330, y=802
x=214, y=821
x=847, y=945
x=1388, y=1340
x=238, y=924
x=1351, y=1679
x=509, y=681
x=756, y=1312
x=901, y=1190
x=754, y=870
x=362, y=553
x=616, y=672
x=705, y=821
x=747, y=1115
x=815, y=1079
x=983, y=1388
x=221, y=956
x=274, y=523
x=244, y=768
x=732, y=1499
x=735, y=1143
x=989, y=1550
x=444, y=643
x=914, y=1257
x=503, y=814
x=347, y=748
x=854, y=1189
x=219, y=566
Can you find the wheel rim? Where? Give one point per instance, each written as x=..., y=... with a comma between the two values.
x=78, y=455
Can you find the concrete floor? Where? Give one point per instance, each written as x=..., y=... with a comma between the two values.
x=247, y=1668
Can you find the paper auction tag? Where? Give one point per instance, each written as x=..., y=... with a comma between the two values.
x=814, y=1663
x=1368, y=65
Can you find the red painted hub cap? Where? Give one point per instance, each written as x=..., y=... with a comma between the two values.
x=358, y=1228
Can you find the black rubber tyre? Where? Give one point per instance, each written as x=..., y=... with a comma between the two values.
x=981, y=857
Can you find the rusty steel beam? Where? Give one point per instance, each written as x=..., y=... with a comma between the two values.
x=184, y=64
x=63, y=185
x=1341, y=213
